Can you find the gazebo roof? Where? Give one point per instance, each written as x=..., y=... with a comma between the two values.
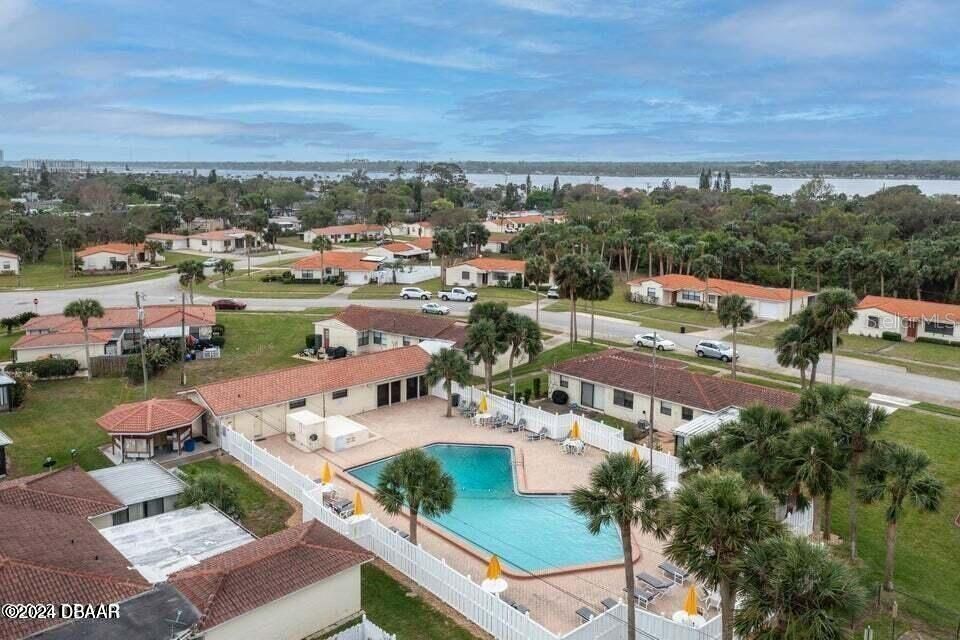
x=150, y=416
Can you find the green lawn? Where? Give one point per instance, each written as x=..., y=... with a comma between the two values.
x=389, y=291
x=244, y=286
x=49, y=274
x=60, y=415
x=928, y=545
x=551, y=357
x=293, y=241
x=5, y=343
x=263, y=512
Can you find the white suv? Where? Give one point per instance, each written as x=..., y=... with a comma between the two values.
x=414, y=292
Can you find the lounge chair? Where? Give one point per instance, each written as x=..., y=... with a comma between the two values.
x=586, y=614
x=644, y=595
x=608, y=603
x=537, y=435
x=402, y=534
x=500, y=420
x=514, y=604
x=655, y=582
x=674, y=572
x=520, y=425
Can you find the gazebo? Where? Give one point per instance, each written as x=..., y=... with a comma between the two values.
x=143, y=430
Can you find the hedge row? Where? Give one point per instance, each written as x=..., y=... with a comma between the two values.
x=49, y=368
x=947, y=343
x=892, y=336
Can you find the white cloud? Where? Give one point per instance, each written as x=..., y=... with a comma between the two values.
x=342, y=109
x=14, y=88
x=466, y=59
x=194, y=74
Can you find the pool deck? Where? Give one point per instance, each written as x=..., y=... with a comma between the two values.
x=540, y=468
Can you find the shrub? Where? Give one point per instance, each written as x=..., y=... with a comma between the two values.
x=218, y=330
x=560, y=397
x=134, y=371
x=23, y=383
x=49, y=368
x=218, y=341
x=271, y=277
x=690, y=305
x=892, y=336
x=536, y=388
x=311, y=340
x=287, y=276
x=516, y=282
x=526, y=394
x=946, y=343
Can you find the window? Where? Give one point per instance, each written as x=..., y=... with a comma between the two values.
x=690, y=296
x=203, y=242
x=121, y=517
x=712, y=299
x=153, y=507
x=651, y=292
x=363, y=338
x=666, y=409
x=939, y=328
x=686, y=413
x=623, y=399
x=407, y=341
x=298, y=404
x=306, y=275
x=378, y=337
x=873, y=322
x=564, y=382
x=342, y=393
x=464, y=275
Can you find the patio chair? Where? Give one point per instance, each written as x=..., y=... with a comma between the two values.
x=655, y=582
x=712, y=601
x=500, y=420
x=520, y=425
x=402, y=534
x=586, y=614
x=343, y=508
x=608, y=603
x=674, y=572
x=537, y=435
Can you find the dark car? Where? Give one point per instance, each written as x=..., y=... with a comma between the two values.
x=227, y=304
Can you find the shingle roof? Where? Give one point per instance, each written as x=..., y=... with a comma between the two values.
x=913, y=309
x=155, y=316
x=719, y=286
x=348, y=228
x=61, y=339
x=233, y=583
x=68, y=491
x=150, y=416
x=263, y=389
x=625, y=370
x=343, y=260
x=498, y=264
x=119, y=248
x=386, y=320
x=423, y=243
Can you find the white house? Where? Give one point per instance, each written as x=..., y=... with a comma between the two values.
x=911, y=319
x=515, y=223
x=423, y=229
x=170, y=241
x=113, y=256
x=346, y=233
x=768, y=303
x=9, y=263
x=498, y=243
x=224, y=241
x=482, y=272
x=356, y=268
x=402, y=250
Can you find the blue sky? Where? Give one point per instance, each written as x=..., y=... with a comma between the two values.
x=484, y=79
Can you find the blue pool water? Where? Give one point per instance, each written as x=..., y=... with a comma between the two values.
x=534, y=533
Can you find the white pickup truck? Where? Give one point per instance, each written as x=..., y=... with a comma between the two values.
x=458, y=294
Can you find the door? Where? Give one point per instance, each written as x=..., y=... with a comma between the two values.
x=769, y=310
x=413, y=388
x=586, y=394
x=395, y=392
x=911, y=329
x=383, y=395
x=258, y=424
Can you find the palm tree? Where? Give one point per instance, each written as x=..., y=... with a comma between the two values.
x=754, y=443
x=84, y=309
x=813, y=461
x=523, y=336
x=884, y=263
x=224, y=267
x=484, y=343
x=321, y=244
x=713, y=520
x=154, y=248
x=191, y=272
x=569, y=274
x=703, y=267
x=794, y=589
x=415, y=479
x=795, y=347
x=449, y=366
x=597, y=285
x=898, y=473
x=855, y=425
x=835, y=310
x=815, y=401
x=702, y=452
x=625, y=493
x=536, y=272
x=444, y=246
x=734, y=311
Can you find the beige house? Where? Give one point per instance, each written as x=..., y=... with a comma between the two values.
x=66, y=345
x=911, y=319
x=286, y=586
x=170, y=241
x=224, y=241
x=9, y=263
x=483, y=272
x=258, y=405
x=423, y=229
x=113, y=256
x=619, y=383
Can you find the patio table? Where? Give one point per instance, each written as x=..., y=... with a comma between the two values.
x=482, y=419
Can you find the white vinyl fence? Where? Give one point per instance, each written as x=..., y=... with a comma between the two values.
x=363, y=630
x=487, y=611
x=411, y=274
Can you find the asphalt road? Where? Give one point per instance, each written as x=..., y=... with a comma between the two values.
x=881, y=378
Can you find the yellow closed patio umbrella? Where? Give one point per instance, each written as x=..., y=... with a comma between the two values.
x=358, y=504
x=493, y=582
x=635, y=454
x=690, y=604
x=483, y=404
x=493, y=568
x=575, y=431
x=327, y=476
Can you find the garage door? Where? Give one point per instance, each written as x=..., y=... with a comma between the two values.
x=768, y=310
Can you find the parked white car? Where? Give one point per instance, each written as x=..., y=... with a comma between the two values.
x=415, y=292
x=715, y=349
x=211, y=262
x=553, y=293
x=649, y=339
x=435, y=308
x=458, y=293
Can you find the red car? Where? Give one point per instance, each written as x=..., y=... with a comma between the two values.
x=227, y=304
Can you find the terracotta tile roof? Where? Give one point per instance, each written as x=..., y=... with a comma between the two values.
x=61, y=339
x=7, y=254
x=119, y=248
x=165, y=236
x=403, y=247
x=627, y=371
x=222, y=234
x=342, y=229
x=155, y=317
x=721, y=287
x=498, y=264
x=343, y=260
x=526, y=219
x=913, y=309
x=260, y=572
x=423, y=243
x=416, y=325
x=264, y=389
x=150, y=416
x=501, y=237
x=68, y=491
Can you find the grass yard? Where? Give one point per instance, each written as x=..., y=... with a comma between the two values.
x=390, y=291
x=49, y=274
x=550, y=357
x=928, y=545
x=244, y=286
x=263, y=512
x=6, y=341
x=293, y=241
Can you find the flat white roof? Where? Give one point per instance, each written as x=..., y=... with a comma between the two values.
x=305, y=417
x=707, y=422
x=160, y=545
x=336, y=426
x=136, y=482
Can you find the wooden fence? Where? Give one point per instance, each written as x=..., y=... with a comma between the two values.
x=108, y=366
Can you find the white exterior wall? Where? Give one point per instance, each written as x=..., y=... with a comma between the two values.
x=67, y=352
x=352, y=278
x=638, y=292
x=211, y=246
x=174, y=245
x=603, y=401
x=299, y=614
x=101, y=261
x=463, y=275
x=891, y=322
x=339, y=334
x=9, y=265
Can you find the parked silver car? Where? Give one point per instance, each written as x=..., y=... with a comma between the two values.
x=715, y=349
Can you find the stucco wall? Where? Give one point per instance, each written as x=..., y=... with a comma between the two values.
x=101, y=261
x=69, y=352
x=9, y=265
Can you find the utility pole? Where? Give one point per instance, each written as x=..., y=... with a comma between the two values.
x=653, y=392
x=183, y=339
x=143, y=345
x=793, y=275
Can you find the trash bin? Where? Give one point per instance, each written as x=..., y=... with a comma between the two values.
x=189, y=445
x=683, y=329
x=455, y=399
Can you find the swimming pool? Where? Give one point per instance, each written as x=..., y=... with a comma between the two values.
x=533, y=533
